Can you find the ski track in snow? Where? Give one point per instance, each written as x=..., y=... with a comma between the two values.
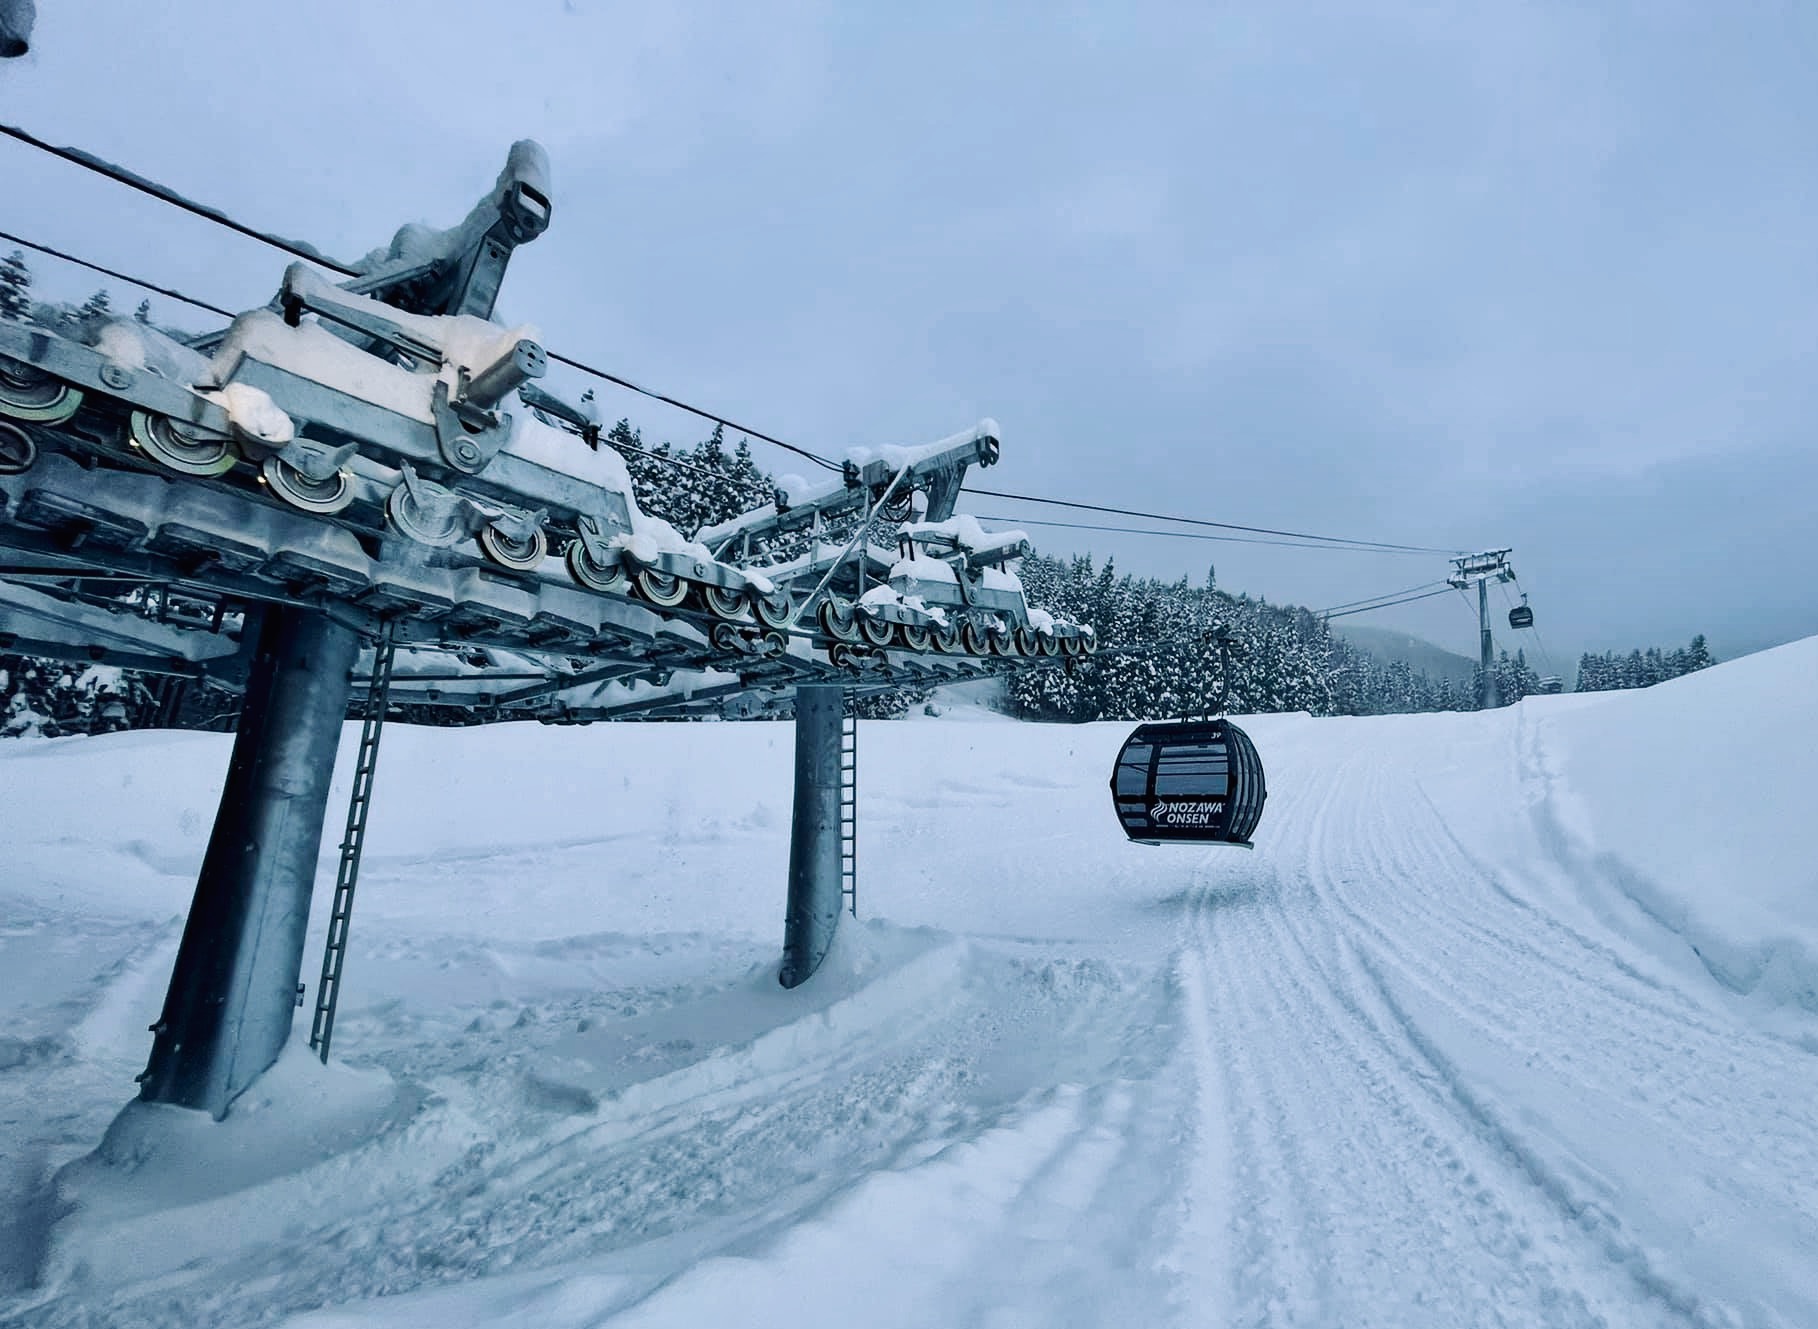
x=1372, y=1182
x=1398, y=1067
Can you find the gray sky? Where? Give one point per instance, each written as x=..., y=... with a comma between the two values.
x=1537, y=275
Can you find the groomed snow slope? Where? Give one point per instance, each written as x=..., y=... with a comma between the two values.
x=1509, y=1019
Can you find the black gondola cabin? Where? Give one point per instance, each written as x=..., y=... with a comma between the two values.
x=1189, y=781
x=1521, y=616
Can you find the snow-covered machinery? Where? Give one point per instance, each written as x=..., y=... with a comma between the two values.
x=349, y=443
x=370, y=473
x=384, y=447
x=948, y=586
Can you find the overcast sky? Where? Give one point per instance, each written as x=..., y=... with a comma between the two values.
x=1537, y=275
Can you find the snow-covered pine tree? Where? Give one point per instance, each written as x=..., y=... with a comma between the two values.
x=15, y=287
x=1155, y=661
x=97, y=307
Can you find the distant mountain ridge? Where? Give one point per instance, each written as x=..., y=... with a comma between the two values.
x=1389, y=645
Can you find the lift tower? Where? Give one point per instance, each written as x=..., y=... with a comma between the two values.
x=1483, y=569
x=348, y=464
x=228, y=1011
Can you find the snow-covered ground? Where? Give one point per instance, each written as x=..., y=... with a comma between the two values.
x=1510, y=1019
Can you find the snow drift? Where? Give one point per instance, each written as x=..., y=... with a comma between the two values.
x=1508, y=1019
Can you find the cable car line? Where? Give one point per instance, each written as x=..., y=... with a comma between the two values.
x=1387, y=595
x=1407, y=599
x=1331, y=540
x=1176, y=535
x=142, y=184
x=139, y=282
x=169, y=293
x=1539, y=641
x=667, y=400
x=1296, y=540
x=132, y=180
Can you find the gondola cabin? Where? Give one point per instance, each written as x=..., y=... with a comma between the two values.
x=1521, y=616
x=1189, y=781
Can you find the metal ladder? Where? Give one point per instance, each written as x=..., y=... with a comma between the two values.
x=849, y=809
x=328, y=991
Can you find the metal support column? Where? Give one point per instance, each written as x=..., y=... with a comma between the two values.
x=1480, y=568
x=1486, y=688
x=353, y=844
x=234, y=990
x=814, y=841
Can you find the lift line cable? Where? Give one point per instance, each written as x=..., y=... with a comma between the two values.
x=119, y=174
x=689, y=466
x=1546, y=655
x=1372, y=599
x=1175, y=535
x=1327, y=541
x=671, y=461
x=166, y=291
x=140, y=282
x=133, y=180
x=759, y=434
x=702, y=470
x=1346, y=613
x=1299, y=542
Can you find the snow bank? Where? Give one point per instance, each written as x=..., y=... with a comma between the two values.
x=874, y=981
x=1418, y=1054
x=167, y=1181
x=1695, y=798
x=299, y=1113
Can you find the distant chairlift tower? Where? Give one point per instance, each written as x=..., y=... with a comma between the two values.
x=1483, y=569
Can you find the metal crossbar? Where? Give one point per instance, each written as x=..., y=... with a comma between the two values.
x=359, y=804
x=849, y=811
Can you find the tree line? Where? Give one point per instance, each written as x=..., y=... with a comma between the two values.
x=16, y=302
x=1157, y=657
x=1613, y=670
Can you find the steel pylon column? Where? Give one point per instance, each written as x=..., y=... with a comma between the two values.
x=1486, y=687
x=813, y=913
x=234, y=990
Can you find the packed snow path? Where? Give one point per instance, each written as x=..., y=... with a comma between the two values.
x=1510, y=1019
